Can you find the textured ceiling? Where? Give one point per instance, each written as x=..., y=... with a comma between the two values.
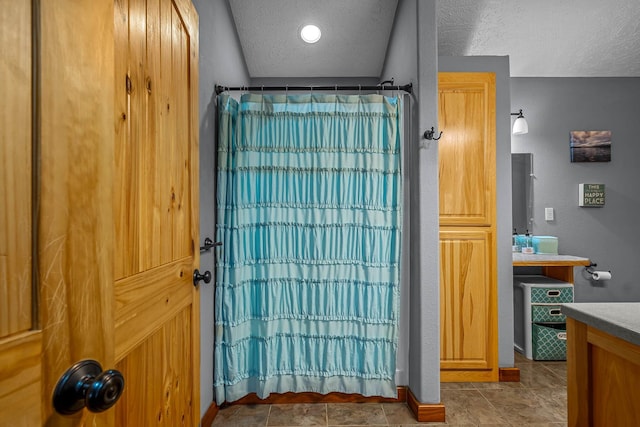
x=543, y=38
x=354, y=39
x=546, y=38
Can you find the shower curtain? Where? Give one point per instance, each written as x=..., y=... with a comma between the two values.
x=309, y=212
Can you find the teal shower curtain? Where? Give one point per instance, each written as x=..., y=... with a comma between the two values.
x=309, y=212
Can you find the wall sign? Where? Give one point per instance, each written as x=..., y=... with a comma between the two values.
x=591, y=195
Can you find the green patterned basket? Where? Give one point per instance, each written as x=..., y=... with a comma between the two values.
x=551, y=295
x=549, y=342
x=547, y=313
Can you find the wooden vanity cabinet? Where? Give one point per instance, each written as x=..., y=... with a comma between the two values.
x=603, y=364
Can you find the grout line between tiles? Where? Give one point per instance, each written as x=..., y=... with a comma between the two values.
x=268, y=416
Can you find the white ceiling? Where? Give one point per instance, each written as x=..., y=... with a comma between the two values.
x=546, y=38
x=354, y=38
x=543, y=38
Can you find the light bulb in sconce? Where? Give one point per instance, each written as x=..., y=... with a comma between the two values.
x=520, y=126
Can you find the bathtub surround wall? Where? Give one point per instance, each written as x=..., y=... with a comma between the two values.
x=500, y=66
x=607, y=235
x=221, y=60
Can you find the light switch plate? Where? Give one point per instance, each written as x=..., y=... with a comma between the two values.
x=548, y=214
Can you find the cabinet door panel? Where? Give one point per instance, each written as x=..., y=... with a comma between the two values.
x=467, y=333
x=467, y=170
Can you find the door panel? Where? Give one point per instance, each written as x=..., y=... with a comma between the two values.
x=20, y=379
x=163, y=393
x=155, y=208
x=467, y=154
x=15, y=168
x=20, y=341
x=153, y=193
x=465, y=299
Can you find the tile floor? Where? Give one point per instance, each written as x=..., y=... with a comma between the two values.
x=538, y=400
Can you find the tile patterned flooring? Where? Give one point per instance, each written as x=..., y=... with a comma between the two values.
x=538, y=400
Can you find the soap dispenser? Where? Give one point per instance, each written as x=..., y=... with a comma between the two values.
x=528, y=244
x=515, y=247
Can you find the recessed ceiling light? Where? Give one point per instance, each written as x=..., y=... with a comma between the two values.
x=310, y=33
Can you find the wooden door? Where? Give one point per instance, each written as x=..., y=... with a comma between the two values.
x=156, y=212
x=467, y=185
x=64, y=295
x=20, y=335
x=56, y=244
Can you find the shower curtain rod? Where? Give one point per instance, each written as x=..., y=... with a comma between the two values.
x=219, y=88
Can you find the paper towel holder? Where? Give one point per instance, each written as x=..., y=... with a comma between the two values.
x=589, y=269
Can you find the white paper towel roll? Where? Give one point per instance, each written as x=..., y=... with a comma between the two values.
x=601, y=275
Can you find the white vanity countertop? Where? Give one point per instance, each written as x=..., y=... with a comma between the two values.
x=620, y=319
x=520, y=258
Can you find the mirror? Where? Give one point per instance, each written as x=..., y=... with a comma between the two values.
x=522, y=191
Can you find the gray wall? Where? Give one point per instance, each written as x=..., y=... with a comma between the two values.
x=401, y=64
x=500, y=66
x=221, y=62
x=412, y=57
x=553, y=107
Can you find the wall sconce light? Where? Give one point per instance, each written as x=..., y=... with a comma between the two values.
x=520, y=126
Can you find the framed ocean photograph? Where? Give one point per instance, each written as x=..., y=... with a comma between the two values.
x=590, y=146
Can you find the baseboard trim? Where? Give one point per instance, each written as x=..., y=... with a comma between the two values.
x=210, y=415
x=282, y=398
x=426, y=412
x=509, y=375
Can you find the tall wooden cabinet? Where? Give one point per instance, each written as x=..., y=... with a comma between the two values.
x=468, y=268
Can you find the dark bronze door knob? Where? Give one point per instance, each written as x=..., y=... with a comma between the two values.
x=86, y=385
x=197, y=277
